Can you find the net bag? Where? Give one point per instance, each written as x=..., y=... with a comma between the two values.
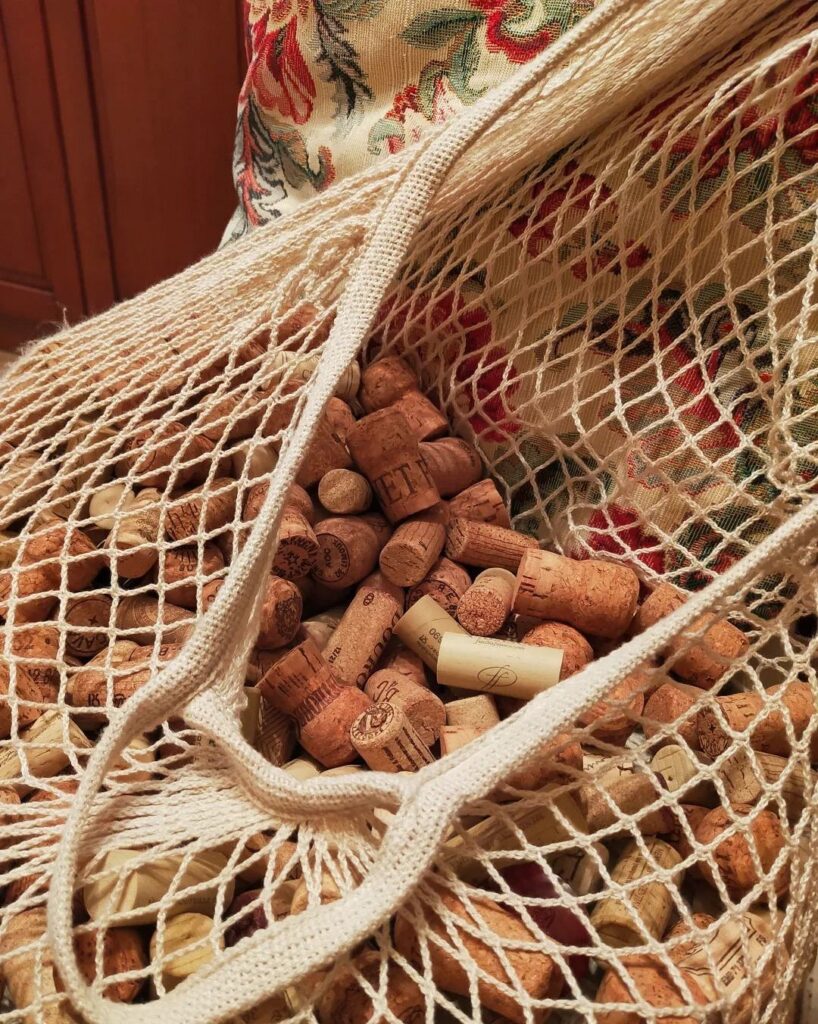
x=604, y=275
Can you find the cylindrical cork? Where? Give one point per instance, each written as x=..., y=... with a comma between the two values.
x=532, y=971
x=671, y=703
x=185, y=945
x=327, y=449
x=582, y=870
x=453, y=464
x=423, y=627
x=254, y=459
x=412, y=550
x=481, y=502
x=298, y=549
x=653, y=984
x=142, y=619
x=614, y=725
x=734, y=855
x=701, y=660
x=27, y=694
x=453, y=737
x=607, y=806
x=595, y=597
x=29, y=973
x=280, y=613
x=479, y=713
x=364, y=631
x=391, y=382
x=340, y=416
x=747, y=778
x=344, y=492
x=496, y=666
x=747, y=711
x=424, y=418
x=487, y=546
x=181, y=567
x=123, y=952
x=576, y=651
x=425, y=711
x=204, y=509
x=617, y=919
x=275, y=735
x=487, y=603
x=387, y=453
x=320, y=627
x=691, y=815
x=149, y=453
x=446, y=582
x=135, y=537
x=681, y=774
x=348, y=549
x=37, y=649
x=346, y=1001
x=89, y=617
x=403, y=661
x=46, y=751
x=555, y=760
x=302, y=685
x=91, y=688
x=386, y=740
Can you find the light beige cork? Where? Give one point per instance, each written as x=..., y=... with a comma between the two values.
x=446, y=582
x=478, y=712
x=48, y=743
x=486, y=546
x=135, y=538
x=454, y=464
x=680, y=773
x=364, y=631
x=482, y=502
x=423, y=627
x=186, y=947
x=607, y=806
x=582, y=870
x=344, y=492
x=494, y=666
x=453, y=737
x=36, y=647
x=747, y=778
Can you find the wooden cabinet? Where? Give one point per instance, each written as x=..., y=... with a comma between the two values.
x=116, y=121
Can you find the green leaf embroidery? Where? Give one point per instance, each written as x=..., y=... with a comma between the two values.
x=433, y=29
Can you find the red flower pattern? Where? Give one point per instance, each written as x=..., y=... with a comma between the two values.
x=278, y=75
x=617, y=530
x=801, y=121
x=505, y=31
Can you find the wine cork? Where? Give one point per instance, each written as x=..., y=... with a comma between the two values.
x=259, y=850
x=184, y=946
x=390, y=381
x=250, y=460
x=672, y=703
x=486, y=605
x=734, y=855
x=344, y=492
x=275, y=736
x=131, y=890
x=27, y=696
x=346, y=1001
x=481, y=502
x=9, y=547
x=403, y=661
x=611, y=724
x=679, y=838
x=29, y=974
x=453, y=464
x=386, y=740
x=348, y=549
x=36, y=650
x=123, y=952
x=302, y=685
x=576, y=651
x=203, y=509
x=149, y=453
x=446, y=582
x=327, y=449
x=554, y=760
x=302, y=768
x=496, y=666
x=478, y=712
x=681, y=775
x=92, y=688
x=134, y=538
x=423, y=627
x=582, y=870
x=453, y=737
x=46, y=746
x=651, y=982
x=141, y=618
x=280, y=613
x=89, y=617
x=364, y=630
x=425, y=711
x=297, y=549
x=609, y=805
x=488, y=546
x=747, y=778
x=598, y=598
x=180, y=568
x=388, y=455
x=646, y=908
x=23, y=480
x=700, y=660
x=748, y=712
x=532, y=971
x=412, y=550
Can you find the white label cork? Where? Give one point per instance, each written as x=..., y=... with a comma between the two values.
x=494, y=666
x=423, y=627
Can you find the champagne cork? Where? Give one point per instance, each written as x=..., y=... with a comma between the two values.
x=327, y=449
x=423, y=627
x=597, y=598
x=453, y=464
x=487, y=603
x=123, y=952
x=280, y=613
x=446, y=582
x=748, y=778
x=653, y=984
x=344, y=492
x=453, y=737
x=672, y=703
x=425, y=711
x=104, y=503
x=46, y=747
x=496, y=666
x=91, y=688
x=481, y=502
x=386, y=740
x=700, y=660
x=27, y=696
x=748, y=711
x=36, y=649
x=680, y=773
x=348, y=549
x=390, y=381
x=89, y=617
x=297, y=550
x=29, y=973
x=204, y=509
x=582, y=870
x=388, y=455
x=346, y=1001
x=296, y=495
x=131, y=890
x=576, y=651
x=339, y=416
x=259, y=662
x=533, y=971
x=364, y=631
x=733, y=855
x=412, y=550
x=646, y=908
x=184, y=946
x=275, y=736
x=487, y=546
x=302, y=685
x=142, y=619
x=180, y=568
x=403, y=661
x=252, y=460
x=628, y=796
x=478, y=713
x=150, y=452
x=610, y=724
x=134, y=538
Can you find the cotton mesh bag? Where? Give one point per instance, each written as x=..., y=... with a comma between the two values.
x=604, y=275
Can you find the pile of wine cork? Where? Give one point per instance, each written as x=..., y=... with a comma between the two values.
x=403, y=619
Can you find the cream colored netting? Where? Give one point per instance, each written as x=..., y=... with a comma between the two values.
x=605, y=275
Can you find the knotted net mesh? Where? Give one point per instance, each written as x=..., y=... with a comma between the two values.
x=623, y=328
